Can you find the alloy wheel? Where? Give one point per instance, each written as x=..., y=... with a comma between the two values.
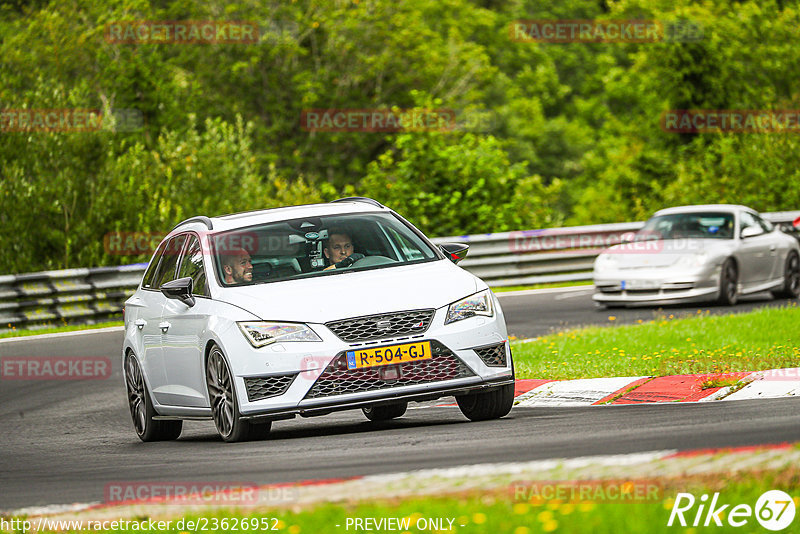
x=136, y=395
x=793, y=274
x=220, y=390
x=730, y=282
x=730, y=278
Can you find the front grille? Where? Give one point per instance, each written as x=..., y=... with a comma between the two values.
x=381, y=326
x=336, y=379
x=678, y=286
x=609, y=288
x=262, y=387
x=493, y=355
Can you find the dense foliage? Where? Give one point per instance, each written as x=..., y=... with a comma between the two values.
x=565, y=132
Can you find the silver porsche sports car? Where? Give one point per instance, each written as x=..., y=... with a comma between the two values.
x=699, y=253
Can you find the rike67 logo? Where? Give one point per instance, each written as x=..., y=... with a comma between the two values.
x=774, y=510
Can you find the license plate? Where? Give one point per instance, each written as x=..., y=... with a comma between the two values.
x=640, y=284
x=389, y=355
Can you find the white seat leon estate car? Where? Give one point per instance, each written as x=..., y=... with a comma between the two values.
x=261, y=316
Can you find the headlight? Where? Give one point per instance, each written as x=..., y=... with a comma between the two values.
x=260, y=333
x=691, y=260
x=605, y=261
x=477, y=304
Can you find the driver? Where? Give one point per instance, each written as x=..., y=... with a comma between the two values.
x=339, y=250
x=236, y=266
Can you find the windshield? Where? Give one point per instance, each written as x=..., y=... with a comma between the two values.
x=688, y=225
x=315, y=246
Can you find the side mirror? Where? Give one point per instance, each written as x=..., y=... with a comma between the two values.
x=751, y=231
x=180, y=289
x=455, y=251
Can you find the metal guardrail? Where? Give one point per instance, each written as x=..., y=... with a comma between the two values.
x=71, y=296
x=502, y=259
x=539, y=256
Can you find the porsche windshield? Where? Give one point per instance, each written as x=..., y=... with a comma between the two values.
x=688, y=225
x=315, y=246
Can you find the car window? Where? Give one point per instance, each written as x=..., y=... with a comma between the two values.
x=409, y=251
x=747, y=220
x=700, y=225
x=765, y=225
x=316, y=246
x=150, y=273
x=192, y=266
x=169, y=260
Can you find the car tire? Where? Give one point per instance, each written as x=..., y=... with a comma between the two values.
x=385, y=412
x=141, y=407
x=224, y=404
x=791, y=278
x=728, y=283
x=487, y=405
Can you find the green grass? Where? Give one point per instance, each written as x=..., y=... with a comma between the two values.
x=767, y=338
x=720, y=382
x=19, y=332
x=505, y=289
x=508, y=510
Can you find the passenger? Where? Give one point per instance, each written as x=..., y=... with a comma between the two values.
x=726, y=230
x=236, y=266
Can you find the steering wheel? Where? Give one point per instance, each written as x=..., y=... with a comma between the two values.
x=370, y=261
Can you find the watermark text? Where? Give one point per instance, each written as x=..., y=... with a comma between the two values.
x=603, y=31
x=730, y=120
x=181, y=32
x=55, y=368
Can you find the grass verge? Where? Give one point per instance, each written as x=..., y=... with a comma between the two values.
x=56, y=329
x=767, y=338
x=515, y=509
x=506, y=289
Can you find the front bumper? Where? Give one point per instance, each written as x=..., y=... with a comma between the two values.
x=656, y=286
x=299, y=368
x=413, y=394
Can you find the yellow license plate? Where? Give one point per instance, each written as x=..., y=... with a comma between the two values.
x=390, y=355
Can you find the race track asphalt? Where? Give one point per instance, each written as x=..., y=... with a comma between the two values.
x=63, y=441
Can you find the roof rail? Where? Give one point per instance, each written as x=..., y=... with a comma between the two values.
x=200, y=218
x=360, y=199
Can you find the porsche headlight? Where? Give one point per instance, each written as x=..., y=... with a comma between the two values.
x=262, y=333
x=605, y=261
x=477, y=304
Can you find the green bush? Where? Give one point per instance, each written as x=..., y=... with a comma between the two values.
x=452, y=184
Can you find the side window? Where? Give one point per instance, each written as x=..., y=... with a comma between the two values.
x=172, y=251
x=747, y=220
x=410, y=252
x=766, y=225
x=192, y=266
x=150, y=273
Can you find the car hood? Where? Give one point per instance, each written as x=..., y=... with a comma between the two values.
x=664, y=252
x=352, y=294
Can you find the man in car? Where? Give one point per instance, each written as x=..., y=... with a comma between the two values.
x=236, y=266
x=339, y=250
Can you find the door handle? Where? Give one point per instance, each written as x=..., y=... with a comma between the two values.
x=164, y=327
x=140, y=323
